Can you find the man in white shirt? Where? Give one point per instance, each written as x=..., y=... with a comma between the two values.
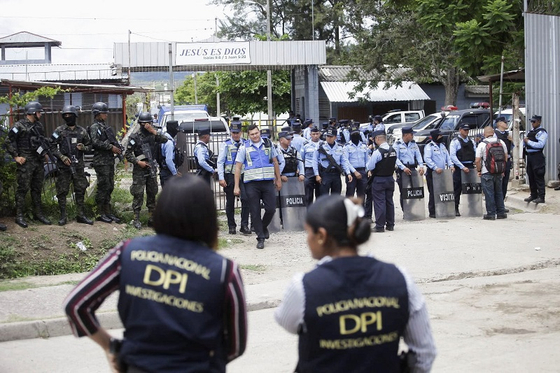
x=491, y=173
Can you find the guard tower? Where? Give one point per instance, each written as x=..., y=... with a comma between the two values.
x=26, y=42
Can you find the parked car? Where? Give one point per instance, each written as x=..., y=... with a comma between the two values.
x=399, y=116
x=181, y=113
x=449, y=125
x=187, y=138
x=395, y=132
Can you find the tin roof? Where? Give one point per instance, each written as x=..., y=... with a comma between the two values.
x=408, y=91
x=62, y=72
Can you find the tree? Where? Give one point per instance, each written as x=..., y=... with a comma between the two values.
x=432, y=40
x=205, y=91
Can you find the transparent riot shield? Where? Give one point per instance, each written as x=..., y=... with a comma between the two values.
x=443, y=195
x=471, y=194
x=292, y=205
x=413, y=196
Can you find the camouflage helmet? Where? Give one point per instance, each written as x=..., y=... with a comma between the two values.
x=33, y=107
x=69, y=109
x=99, y=108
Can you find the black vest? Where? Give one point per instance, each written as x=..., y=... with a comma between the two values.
x=532, y=135
x=356, y=309
x=504, y=137
x=386, y=166
x=290, y=156
x=466, y=151
x=171, y=304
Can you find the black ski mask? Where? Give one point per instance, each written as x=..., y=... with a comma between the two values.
x=70, y=120
x=355, y=137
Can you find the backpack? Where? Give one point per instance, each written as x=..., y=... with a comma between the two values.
x=178, y=156
x=495, y=161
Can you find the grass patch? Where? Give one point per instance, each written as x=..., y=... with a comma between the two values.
x=253, y=267
x=21, y=285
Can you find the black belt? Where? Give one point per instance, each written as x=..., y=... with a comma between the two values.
x=360, y=168
x=330, y=170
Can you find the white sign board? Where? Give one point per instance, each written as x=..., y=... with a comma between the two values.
x=212, y=53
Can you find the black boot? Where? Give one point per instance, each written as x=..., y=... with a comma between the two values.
x=19, y=214
x=80, y=216
x=136, y=223
x=39, y=216
x=110, y=215
x=3, y=227
x=150, y=218
x=63, y=218
x=103, y=216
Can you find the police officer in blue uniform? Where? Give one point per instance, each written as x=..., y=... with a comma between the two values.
x=168, y=168
x=203, y=156
x=312, y=187
x=356, y=155
x=290, y=163
x=327, y=171
x=462, y=152
x=307, y=126
x=226, y=177
x=262, y=175
x=534, y=145
x=436, y=158
x=378, y=123
x=381, y=165
x=408, y=157
x=297, y=140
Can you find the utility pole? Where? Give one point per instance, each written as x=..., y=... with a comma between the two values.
x=269, y=72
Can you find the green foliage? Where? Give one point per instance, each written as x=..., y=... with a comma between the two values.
x=241, y=92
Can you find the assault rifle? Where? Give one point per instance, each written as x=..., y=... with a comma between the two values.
x=43, y=147
x=72, y=156
x=331, y=160
x=147, y=151
x=113, y=141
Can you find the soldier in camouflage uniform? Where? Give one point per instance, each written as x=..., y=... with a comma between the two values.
x=140, y=152
x=69, y=143
x=105, y=146
x=27, y=145
x=2, y=147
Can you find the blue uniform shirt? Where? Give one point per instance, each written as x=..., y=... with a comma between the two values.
x=455, y=146
x=221, y=161
x=336, y=152
x=356, y=156
x=307, y=152
x=202, y=155
x=167, y=151
x=376, y=157
x=407, y=154
x=298, y=142
x=436, y=156
x=538, y=145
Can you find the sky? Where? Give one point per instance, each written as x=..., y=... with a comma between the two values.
x=89, y=29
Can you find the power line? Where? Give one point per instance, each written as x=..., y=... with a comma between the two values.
x=108, y=18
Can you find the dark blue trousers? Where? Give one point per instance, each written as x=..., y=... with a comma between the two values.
x=312, y=187
x=383, y=188
x=230, y=202
x=330, y=183
x=357, y=187
x=258, y=191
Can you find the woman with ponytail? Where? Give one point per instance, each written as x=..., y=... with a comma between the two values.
x=351, y=311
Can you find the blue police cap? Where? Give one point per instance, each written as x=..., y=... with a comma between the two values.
x=235, y=127
x=204, y=131
x=536, y=118
x=374, y=134
x=285, y=134
x=407, y=129
x=315, y=129
x=501, y=119
x=331, y=131
x=465, y=126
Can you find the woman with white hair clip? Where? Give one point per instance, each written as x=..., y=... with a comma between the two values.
x=351, y=310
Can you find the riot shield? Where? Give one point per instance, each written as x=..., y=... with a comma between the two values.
x=443, y=194
x=292, y=204
x=413, y=196
x=471, y=194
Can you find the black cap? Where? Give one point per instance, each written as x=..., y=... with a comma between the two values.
x=465, y=126
x=285, y=134
x=536, y=118
x=331, y=131
x=235, y=127
x=374, y=134
x=315, y=129
x=435, y=133
x=204, y=131
x=296, y=123
x=378, y=118
x=407, y=130
x=501, y=119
